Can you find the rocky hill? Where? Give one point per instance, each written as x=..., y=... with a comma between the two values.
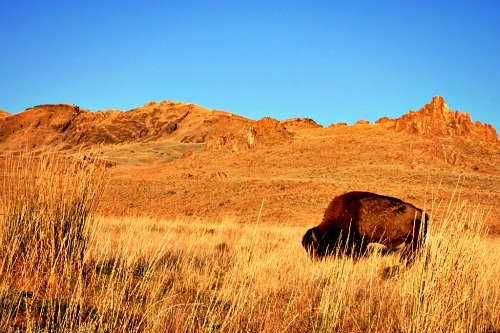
x=66, y=126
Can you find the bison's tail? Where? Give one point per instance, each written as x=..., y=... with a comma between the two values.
x=424, y=224
x=417, y=240
x=420, y=231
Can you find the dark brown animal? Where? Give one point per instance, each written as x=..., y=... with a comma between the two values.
x=355, y=219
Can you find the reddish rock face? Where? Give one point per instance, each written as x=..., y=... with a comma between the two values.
x=436, y=119
x=264, y=131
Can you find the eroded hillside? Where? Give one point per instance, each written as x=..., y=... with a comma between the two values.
x=66, y=127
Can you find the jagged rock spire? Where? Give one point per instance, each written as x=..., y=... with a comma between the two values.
x=437, y=119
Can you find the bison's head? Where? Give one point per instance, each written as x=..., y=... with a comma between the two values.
x=312, y=242
x=319, y=244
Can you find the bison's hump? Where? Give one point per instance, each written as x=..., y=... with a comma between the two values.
x=381, y=208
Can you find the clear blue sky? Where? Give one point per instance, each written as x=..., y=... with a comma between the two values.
x=330, y=61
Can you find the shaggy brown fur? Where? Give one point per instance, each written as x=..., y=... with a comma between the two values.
x=355, y=219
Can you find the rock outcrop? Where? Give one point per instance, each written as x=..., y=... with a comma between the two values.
x=437, y=120
x=300, y=123
x=339, y=124
x=384, y=120
x=264, y=131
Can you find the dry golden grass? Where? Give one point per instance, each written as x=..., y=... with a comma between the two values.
x=188, y=275
x=235, y=277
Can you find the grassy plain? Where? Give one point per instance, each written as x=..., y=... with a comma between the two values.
x=193, y=276
x=138, y=274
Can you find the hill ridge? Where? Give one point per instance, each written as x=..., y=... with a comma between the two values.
x=64, y=126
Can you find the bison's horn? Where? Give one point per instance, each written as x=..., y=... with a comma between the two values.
x=314, y=237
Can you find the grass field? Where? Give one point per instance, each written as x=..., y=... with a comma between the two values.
x=188, y=275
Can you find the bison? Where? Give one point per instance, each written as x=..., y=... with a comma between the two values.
x=355, y=219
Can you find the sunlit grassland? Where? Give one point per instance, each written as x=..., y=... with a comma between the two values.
x=153, y=275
